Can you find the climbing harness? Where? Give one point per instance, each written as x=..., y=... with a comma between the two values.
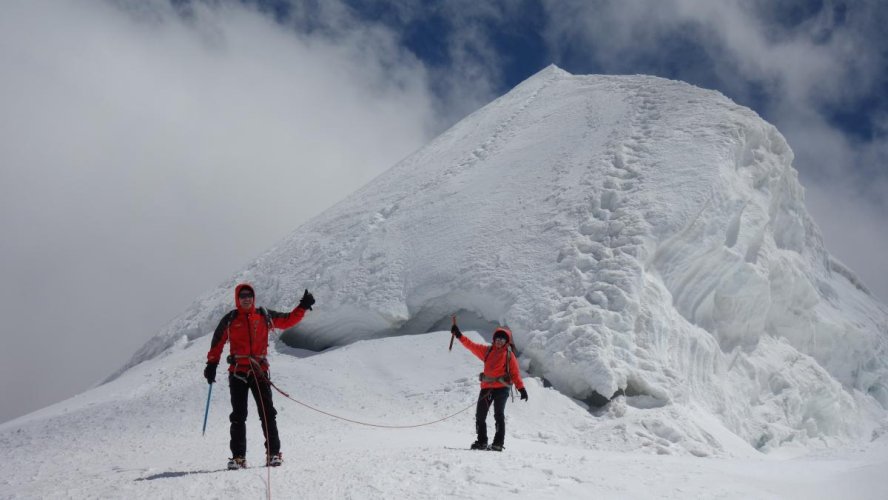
x=505, y=379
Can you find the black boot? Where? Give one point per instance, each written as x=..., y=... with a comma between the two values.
x=479, y=445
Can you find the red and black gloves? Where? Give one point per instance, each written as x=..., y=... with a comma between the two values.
x=523, y=392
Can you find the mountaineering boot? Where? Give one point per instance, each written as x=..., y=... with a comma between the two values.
x=478, y=445
x=275, y=460
x=496, y=447
x=237, y=463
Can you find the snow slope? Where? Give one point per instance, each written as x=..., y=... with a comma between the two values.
x=640, y=236
x=139, y=436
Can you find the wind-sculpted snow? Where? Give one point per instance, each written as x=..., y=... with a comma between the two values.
x=643, y=238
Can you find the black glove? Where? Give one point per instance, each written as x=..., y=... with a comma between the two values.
x=210, y=372
x=455, y=331
x=306, y=301
x=523, y=392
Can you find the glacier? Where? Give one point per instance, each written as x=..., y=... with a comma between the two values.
x=646, y=241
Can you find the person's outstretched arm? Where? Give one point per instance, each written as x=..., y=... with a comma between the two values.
x=287, y=320
x=479, y=350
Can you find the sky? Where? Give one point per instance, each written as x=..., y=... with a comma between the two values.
x=150, y=149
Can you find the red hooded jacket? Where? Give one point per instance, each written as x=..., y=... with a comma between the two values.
x=248, y=329
x=495, y=361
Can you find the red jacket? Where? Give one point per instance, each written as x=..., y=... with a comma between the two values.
x=248, y=330
x=495, y=361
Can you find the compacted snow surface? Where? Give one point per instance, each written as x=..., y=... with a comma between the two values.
x=140, y=437
x=648, y=244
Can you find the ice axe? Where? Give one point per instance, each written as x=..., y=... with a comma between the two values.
x=207, y=411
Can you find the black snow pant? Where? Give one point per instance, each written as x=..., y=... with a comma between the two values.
x=496, y=397
x=240, y=384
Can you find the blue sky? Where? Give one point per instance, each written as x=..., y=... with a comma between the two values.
x=150, y=148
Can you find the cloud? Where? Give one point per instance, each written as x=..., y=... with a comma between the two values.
x=456, y=41
x=854, y=231
x=148, y=152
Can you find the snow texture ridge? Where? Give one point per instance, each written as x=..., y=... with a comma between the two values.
x=647, y=242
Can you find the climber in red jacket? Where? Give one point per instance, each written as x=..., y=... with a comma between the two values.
x=500, y=373
x=246, y=328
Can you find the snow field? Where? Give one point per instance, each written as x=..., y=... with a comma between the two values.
x=139, y=437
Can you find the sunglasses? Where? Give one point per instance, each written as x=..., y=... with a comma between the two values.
x=246, y=295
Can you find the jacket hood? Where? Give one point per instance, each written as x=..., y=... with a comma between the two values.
x=508, y=335
x=237, y=291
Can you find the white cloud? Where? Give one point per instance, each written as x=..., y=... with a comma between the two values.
x=146, y=156
x=466, y=70
x=853, y=231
